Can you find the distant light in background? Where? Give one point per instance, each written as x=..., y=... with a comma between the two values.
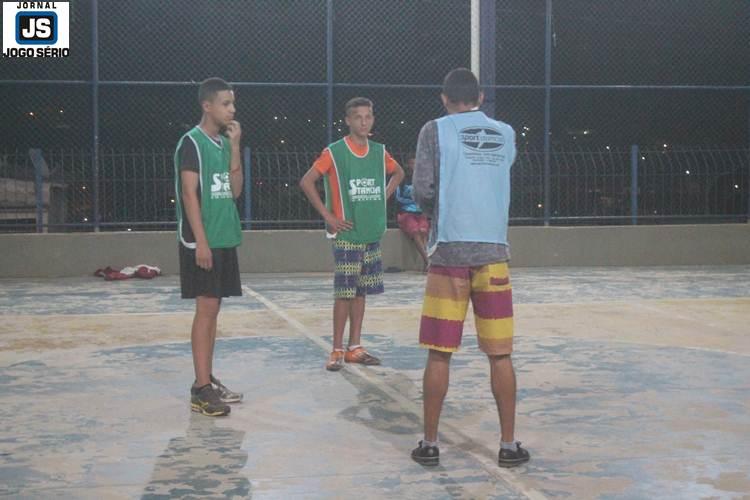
x=687, y=172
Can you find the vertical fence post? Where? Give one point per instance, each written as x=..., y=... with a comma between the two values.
x=329, y=71
x=634, y=184
x=36, y=160
x=487, y=44
x=246, y=164
x=95, y=106
x=475, y=37
x=547, y=110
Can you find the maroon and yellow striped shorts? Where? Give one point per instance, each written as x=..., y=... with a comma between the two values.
x=446, y=302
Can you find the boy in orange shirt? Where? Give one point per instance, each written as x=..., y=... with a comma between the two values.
x=354, y=169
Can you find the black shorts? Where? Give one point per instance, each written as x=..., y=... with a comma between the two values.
x=223, y=280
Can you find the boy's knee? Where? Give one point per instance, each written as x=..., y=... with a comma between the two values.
x=208, y=306
x=441, y=356
x=499, y=357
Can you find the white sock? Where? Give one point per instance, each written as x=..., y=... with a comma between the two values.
x=512, y=446
x=427, y=444
x=353, y=347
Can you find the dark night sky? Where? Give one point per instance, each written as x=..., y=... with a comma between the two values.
x=613, y=42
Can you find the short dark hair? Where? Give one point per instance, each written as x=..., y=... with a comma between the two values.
x=461, y=87
x=356, y=103
x=210, y=87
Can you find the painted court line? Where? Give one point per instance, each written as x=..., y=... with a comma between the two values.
x=488, y=465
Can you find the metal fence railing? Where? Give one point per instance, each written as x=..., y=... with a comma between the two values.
x=137, y=188
x=581, y=81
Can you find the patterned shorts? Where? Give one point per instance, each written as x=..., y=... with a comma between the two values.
x=446, y=302
x=359, y=269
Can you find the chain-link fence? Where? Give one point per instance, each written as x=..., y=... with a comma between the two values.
x=625, y=112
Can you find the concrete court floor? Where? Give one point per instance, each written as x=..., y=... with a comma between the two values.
x=633, y=383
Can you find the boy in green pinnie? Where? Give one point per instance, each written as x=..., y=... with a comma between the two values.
x=354, y=171
x=208, y=180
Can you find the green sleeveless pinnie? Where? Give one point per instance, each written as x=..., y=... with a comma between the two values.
x=362, y=191
x=221, y=220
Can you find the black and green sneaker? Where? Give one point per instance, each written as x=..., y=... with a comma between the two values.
x=206, y=400
x=510, y=458
x=426, y=455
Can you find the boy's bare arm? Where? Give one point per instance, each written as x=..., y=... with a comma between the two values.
x=190, y=184
x=236, y=177
x=395, y=181
x=307, y=184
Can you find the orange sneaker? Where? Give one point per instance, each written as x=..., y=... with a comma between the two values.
x=359, y=355
x=335, y=361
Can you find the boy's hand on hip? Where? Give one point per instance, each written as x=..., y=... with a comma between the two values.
x=203, y=257
x=336, y=225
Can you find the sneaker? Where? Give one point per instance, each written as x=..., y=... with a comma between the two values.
x=206, y=400
x=335, y=361
x=225, y=394
x=359, y=355
x=428, y=455
x=510, y=458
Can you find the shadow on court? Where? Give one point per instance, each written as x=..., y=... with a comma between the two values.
x=206, y=462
